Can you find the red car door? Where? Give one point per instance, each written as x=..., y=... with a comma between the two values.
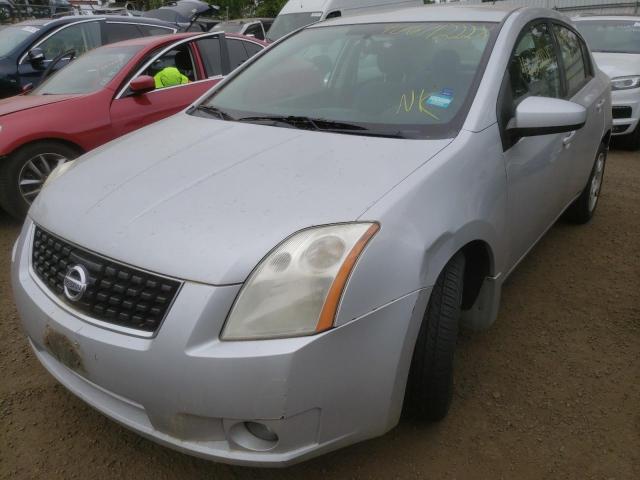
x=180, y=79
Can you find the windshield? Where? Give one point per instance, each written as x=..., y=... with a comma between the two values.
x=613, y=36
x=287, y=23
x=11, y=37
x=413, y=80
x=89, y=73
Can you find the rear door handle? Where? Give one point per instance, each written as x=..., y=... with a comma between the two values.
x=567, y=140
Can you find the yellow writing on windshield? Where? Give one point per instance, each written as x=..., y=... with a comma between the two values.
x=437, y=31
x=408, y=102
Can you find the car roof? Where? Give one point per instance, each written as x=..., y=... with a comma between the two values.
x=48, y=22
x=587, y=18
x=431, y=13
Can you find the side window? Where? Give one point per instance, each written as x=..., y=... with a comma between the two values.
x=255, y=30
x=117, y=32
x=573, y=59
x=150, y=30
x=176, y=67
x=210, y=53
x=237, y=53
x=534, y=69
x=80, y=37
x=251, y=48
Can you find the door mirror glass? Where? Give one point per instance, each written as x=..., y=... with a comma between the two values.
x=142, y=84
x=544, y=116
x=36, y=57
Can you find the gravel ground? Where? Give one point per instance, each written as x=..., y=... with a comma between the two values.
x=551, y=391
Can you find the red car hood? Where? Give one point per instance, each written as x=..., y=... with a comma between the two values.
x=25, y=102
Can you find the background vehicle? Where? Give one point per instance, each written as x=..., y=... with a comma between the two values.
x=100, y=96
x=615, y=43
x=28, y=48
x=189, y=15
x=298, y=13
x=7, y=11
x=254, y=27
x=317, y=230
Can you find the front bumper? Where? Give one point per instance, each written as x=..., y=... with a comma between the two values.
x=630, y=99
x=186, y=389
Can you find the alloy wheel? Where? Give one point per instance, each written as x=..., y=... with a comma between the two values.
x=596, y=182
x=35, y=172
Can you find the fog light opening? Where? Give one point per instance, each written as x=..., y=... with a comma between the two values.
x=254, y=436
x=261, y=431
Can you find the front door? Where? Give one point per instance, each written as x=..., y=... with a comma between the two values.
x=180, y=80
x=537, y=169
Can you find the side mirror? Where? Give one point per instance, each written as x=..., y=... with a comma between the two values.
x=142, y=84
x=544, y=116
x=36, y=57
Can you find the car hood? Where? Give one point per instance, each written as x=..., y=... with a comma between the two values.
x=25, y=102
x=204, y=200
x=618, y=64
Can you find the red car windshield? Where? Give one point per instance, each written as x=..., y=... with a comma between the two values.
x=89, y=73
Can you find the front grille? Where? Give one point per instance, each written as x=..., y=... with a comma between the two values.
x=621, y=112
x=115, y=293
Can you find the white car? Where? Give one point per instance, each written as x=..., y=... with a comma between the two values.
x=615, y=43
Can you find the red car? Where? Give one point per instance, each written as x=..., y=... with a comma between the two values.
x=102, y=95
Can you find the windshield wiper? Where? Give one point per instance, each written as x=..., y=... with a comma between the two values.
x=208, y=109
x=307, y=123
x=304, y=123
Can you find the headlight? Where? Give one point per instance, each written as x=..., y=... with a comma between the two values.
x=58, y=172
x=625, y=83
x=297, y=288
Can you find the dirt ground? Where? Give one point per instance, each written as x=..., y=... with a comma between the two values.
x=551, y=391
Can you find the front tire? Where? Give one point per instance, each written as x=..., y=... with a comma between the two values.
x=584, y=207
x=23, y=173
x=430, y=384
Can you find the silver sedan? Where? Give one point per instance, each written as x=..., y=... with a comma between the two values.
x=282, y=269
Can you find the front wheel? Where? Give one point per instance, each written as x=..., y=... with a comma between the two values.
x=430, y=384
x=583, y=208
x=23, y=173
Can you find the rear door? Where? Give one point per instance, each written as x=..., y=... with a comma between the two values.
x=581, y=87
x=131, y=111
x=536, y=167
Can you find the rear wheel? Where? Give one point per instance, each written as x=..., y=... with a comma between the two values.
x=583, y=208
x=430, y=384
x=23, y=173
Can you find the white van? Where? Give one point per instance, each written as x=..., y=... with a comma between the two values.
x=299, y=13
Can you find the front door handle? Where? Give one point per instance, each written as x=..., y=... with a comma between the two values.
x=567, y=140
x=599, y=105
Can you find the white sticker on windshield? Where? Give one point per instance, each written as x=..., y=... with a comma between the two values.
x=30, y=29
x=316, y=14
